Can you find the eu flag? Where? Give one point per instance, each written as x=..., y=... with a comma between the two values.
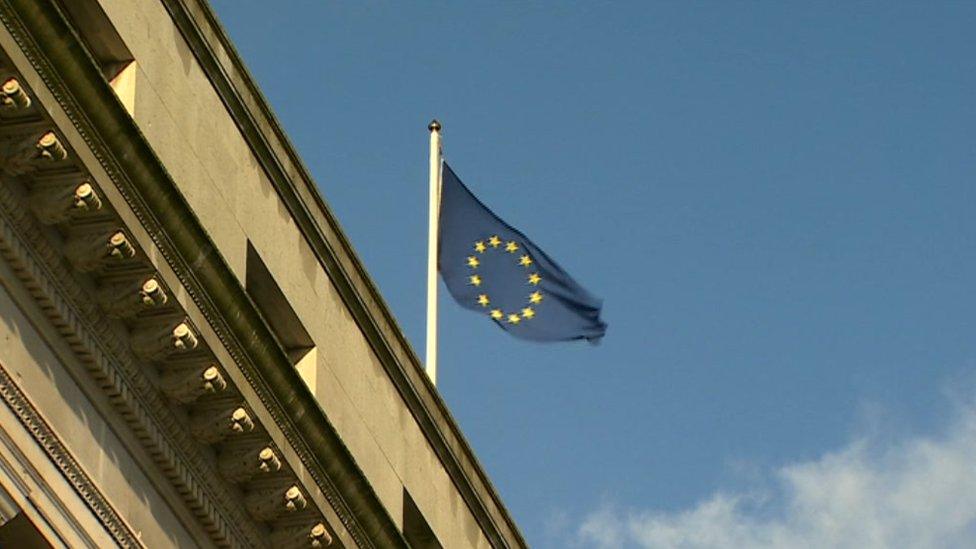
x=492, y=268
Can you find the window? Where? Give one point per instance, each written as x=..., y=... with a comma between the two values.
x=21, y=533
x=276, y=310
x=105, y=46
x=415, y=528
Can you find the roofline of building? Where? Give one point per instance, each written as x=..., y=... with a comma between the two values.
x=251, y=111
x=223, y=294
x=78, y=85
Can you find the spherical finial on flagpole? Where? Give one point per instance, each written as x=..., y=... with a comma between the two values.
x=434, y=126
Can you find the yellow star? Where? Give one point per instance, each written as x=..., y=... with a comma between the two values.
x=535, y=297
x=496, y=314
x=514, y=319
x=483, y=300
x=475, y=280
x=494, y=241
x=511, y=247
x=480, y=247
x=525, y=261
x=473, y=262
x=535, y=279
x=528, y=313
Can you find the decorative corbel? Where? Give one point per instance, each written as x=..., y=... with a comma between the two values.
x=301, y=536
x=184, y=385
x=212, y=426
x=157, y=342
x=270, y=503
x=127, y=299
x=88, y=251
x=240, y=464
x=13, y=96
x=50, y=147
x=23, y=152
x=55, y=204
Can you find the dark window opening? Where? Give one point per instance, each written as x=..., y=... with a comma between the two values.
x=105, y=46
x=99, y=35
x=19, y=532
x=415, y=528
x=275, y=309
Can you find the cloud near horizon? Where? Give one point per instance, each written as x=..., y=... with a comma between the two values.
x=917, y=492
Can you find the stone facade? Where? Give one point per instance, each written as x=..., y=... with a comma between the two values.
x=190, y=352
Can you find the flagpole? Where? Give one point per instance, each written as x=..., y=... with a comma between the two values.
x=434, y=210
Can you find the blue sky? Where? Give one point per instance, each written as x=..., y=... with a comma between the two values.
x=774, y=201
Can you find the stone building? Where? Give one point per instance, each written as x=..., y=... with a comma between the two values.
x=190, y=353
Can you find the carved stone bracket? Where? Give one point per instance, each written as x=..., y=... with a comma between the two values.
x=56, y=204
x=213, y=426
x=241, y=463
x=49, y=147
x=302, y=536
x=157, y=342
x=184, y=385
x=21, y=154
x=270, y=503
x=127, y=299
x=13, y=96
x=89, y=251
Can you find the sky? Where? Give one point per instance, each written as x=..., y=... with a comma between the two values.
x=773, y=199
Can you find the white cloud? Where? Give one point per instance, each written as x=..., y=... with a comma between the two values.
x=917, y=492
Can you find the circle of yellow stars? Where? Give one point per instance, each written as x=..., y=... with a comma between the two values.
x=532, y=279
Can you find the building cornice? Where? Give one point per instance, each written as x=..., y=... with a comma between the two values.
x=296, y=188
x=83, y=485
x=96, y=114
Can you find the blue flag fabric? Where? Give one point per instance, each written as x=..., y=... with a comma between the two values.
x=492, y=268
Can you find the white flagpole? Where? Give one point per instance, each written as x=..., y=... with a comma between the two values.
x=434, y=211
